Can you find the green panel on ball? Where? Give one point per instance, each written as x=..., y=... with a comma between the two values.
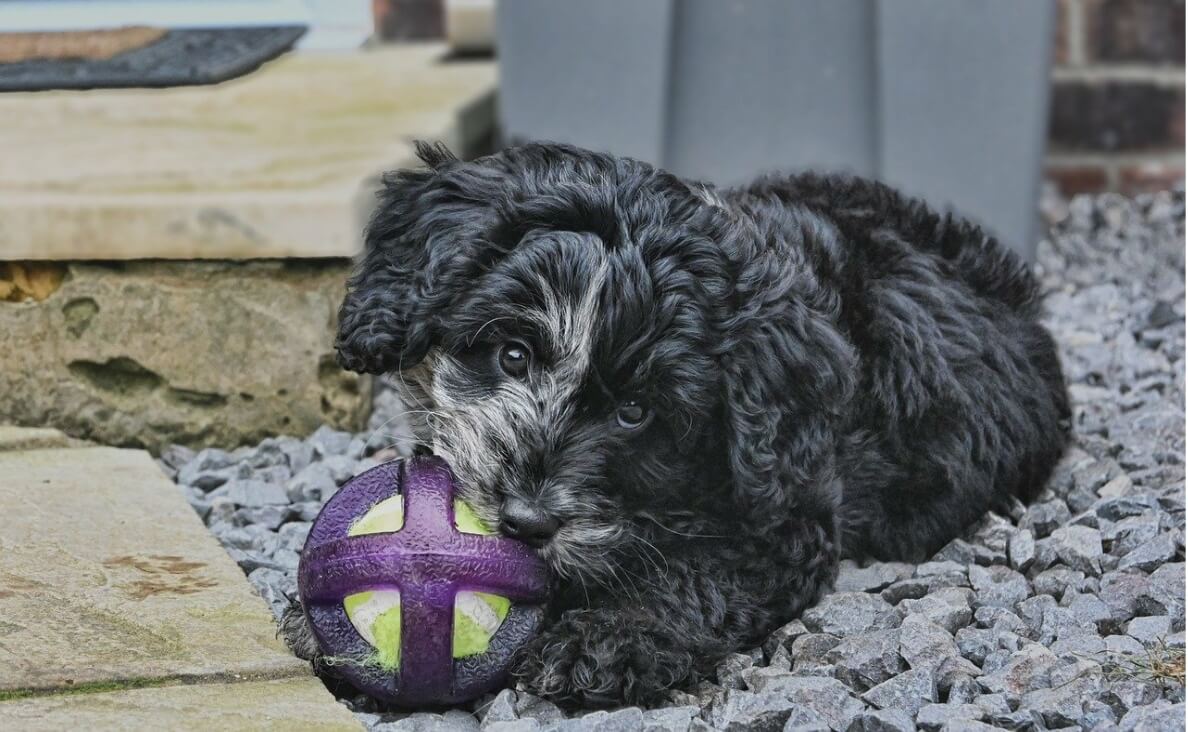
x=385, y=517
x=467, y=522
x=477, y=615
x=376, y=616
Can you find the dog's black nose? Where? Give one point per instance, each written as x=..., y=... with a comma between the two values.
x=522, y=520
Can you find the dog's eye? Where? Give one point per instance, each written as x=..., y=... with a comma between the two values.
x=513, y=359
x=631, y=415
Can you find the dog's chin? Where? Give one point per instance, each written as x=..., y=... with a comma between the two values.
x=585, y=552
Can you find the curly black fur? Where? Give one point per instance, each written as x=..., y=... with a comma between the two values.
x=832, y=369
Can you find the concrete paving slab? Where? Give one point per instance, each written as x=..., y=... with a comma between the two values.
x=288, y=704
x=107, y=576
x=280, y=163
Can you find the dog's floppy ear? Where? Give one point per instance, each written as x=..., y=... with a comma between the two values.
x=786, y=371
x=422, y=238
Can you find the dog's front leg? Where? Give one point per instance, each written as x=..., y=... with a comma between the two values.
x=671, y=621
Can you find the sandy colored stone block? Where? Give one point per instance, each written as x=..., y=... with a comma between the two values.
x=30, y=438
x=279, y=163
x=107, y=575
x=200, y=353
x=285, y=704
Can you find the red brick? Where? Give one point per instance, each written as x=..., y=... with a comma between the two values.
x=1073, y=179
x=1060, y=38
x=1135, y=31
x=1115, y=116
x=1148, y=177
x=408, y=20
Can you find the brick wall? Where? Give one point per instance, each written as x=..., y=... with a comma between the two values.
x=1117, y=114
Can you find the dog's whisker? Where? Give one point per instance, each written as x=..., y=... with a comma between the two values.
x=655, y=549
x=670, y=530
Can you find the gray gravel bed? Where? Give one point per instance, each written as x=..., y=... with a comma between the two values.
x=1068, y=613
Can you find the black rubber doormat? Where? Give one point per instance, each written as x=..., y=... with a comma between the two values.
x=177, y=58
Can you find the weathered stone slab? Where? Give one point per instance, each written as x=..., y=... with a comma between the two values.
x=284, y=704
x=280, y=163
x=30, y=438
x=107, y=575
x=199, y=353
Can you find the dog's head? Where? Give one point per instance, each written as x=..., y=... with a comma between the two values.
x=565, y=326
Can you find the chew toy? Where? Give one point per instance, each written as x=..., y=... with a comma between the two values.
x=409, y=594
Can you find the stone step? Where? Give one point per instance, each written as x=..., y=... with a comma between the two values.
x=200, y=353
x=110, y=582
x=280, y=163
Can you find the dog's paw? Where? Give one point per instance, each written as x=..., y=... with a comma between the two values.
x=595, y=658
x=298, y=636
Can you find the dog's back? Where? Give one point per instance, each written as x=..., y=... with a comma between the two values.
x=961, y=401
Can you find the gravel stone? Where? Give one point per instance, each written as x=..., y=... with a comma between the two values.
x=1150, y=630
x=501, y=709
x=621, y=720
x=340, y=467
x=314, y=483
x=964, y=691
x=667, y=719
x=273, y=585
x=998, y=586
x=1130, y=533
x=328, y=441
x=1056, y=580
x=1150, y=555
x=1096, y=715
x=850, y=613
x=866, y=660
x=1121, y=645
x=783, y=637
x=882, y=720
x=1021, y=550
x=963, y=725
x=908, y=589
x=744, y=710
x=1127, y=694
x=1026, y=670
x=1153, y=718
x=948, y=607
x=924, y=644
x=809, y=650
x=827, y=697
x=1164, y=592
x=270, y=517
x=908, y=691
x=1118, y=508
x=730, y=670
x=939, y=567
x=873, y=578
x=293, y=534
x=998, y=618
x=1044, y=518
x=1079, y=547
x=253, y=493
x=936, y=716
x=1062, y=706
x=451, y=721
x=1089, y=610
x=976, y=644
x=1121, y=592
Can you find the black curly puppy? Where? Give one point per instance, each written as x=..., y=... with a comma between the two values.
x=695, y=401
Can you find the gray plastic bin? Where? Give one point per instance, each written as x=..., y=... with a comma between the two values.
x=946, y=99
